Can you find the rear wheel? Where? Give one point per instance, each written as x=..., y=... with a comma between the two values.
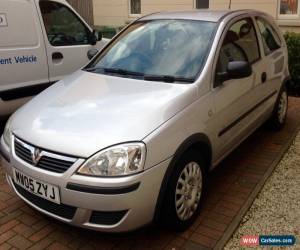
x=280, y=111
x=185, y=191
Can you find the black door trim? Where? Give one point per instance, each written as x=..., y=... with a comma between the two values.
x=235, y=122
x=27, y=91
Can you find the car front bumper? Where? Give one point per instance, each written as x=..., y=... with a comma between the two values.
x=116, y=204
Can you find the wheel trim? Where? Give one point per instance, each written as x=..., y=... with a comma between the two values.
x=188, y=191
x=282, y=107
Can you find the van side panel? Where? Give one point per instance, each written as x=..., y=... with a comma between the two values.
x=23, y=60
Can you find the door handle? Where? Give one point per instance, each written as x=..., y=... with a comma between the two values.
x=263, y=77
x=57, y=56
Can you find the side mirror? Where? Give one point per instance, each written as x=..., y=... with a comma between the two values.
x=235, y=70
x=239, y=69
x=91, y=53
x=95, y=37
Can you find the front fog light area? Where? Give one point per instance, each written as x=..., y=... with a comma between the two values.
x=119, y=160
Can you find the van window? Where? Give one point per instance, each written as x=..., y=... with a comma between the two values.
x=62, y=26
x=270, y=38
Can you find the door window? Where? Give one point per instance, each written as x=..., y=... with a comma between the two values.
x=62, y=25
x=240, y=44
x=270, y=38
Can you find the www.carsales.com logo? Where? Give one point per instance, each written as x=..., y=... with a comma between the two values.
x=268, y=240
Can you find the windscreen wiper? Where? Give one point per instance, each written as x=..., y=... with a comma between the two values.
x=115, y=71
x=122, y=72
x=168, y=79
x=92, y=69
x=157, y=78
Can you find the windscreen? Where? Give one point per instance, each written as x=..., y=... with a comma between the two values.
x=169, y=48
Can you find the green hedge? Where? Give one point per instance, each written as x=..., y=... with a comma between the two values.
x=293, y=44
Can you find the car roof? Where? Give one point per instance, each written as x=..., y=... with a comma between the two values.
x=203, y=15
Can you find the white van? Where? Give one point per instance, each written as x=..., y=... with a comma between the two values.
x=40, y=42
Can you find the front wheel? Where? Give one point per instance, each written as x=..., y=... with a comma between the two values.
x=280, y=110
x=185, y=191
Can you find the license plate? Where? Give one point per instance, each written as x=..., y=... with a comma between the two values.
x=37, y=187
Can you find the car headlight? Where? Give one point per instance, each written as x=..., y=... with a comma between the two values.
x=7, y=133
x=120, y=160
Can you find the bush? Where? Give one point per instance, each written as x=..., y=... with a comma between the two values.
x=293, y=44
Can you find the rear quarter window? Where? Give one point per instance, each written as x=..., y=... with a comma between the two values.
x=270, y=38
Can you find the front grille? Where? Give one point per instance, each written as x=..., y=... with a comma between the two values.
x=23, y=153
x=61, y=210
x=107, y=218
x=55, y=165
x=48, y=161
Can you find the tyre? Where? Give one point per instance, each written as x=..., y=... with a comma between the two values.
x=184, y=192
x=278, y=118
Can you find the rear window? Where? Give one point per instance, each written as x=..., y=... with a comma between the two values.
x=270, y=38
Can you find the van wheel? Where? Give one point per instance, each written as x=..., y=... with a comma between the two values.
x=185, y=191
x=278, y=118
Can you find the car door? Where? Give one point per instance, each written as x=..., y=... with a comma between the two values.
x=234, y=99
x=68, y=39
x=23, y=60
x=273, y=63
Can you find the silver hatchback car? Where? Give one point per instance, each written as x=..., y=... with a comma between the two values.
x=130, y=138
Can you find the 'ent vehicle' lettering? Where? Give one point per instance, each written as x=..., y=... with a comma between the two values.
x=18, y=60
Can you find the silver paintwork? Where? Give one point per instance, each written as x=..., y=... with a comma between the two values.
x=86, y=112
x=140, y=212
x=105, y=111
